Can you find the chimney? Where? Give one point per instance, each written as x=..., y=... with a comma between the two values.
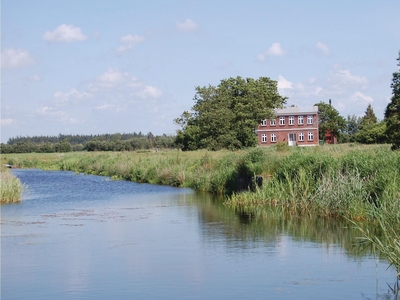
x=330, y=102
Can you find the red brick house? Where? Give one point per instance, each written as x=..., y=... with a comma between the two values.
x=294, y=125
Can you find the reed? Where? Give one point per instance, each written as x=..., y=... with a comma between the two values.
x=341, y=181
x=11, y=187
x=355, y=182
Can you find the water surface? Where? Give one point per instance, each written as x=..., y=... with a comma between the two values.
x=77, y=236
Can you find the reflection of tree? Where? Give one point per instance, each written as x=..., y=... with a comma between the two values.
x=251, y=227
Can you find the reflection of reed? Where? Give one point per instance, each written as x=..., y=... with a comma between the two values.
x=241, y=225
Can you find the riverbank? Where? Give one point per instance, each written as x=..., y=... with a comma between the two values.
x=11, y=187
x=355, y=182
x=346, y=181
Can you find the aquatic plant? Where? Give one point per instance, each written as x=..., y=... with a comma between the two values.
x=11, y=187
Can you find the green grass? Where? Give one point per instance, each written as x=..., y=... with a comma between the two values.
x=355, y=182
x=11, y=187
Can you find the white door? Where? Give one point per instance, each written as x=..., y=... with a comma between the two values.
x=292, y=139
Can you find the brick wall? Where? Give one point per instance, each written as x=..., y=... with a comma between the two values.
x=279, y=133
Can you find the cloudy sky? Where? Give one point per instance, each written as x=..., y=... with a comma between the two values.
x=107, y=66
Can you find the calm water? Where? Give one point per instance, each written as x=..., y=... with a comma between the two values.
x=86, y=237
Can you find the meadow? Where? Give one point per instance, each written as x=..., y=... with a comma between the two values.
x=350, y=181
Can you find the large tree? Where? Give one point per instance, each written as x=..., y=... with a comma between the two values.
x=369, y=117
x=226, y=116
x=329, y=120
x=392, y=113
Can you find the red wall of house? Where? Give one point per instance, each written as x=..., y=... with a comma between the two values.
x=282, y=131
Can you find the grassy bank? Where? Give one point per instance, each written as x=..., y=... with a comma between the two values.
x=348, y=181
x=355, y=182
x=11, y=187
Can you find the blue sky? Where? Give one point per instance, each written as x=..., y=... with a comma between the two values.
x=92, y=67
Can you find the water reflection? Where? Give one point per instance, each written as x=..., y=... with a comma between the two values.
x=247, y=225
x=76, y=236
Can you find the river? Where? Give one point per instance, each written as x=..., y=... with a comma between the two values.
x=76, y=236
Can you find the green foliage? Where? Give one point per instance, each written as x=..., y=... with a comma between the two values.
x=392, y=113
x=224, y=117
x=372, y=133
x=347, y=181
x=369, y=117
x=353, y=126
x=105, y=142
x=329, y=119
x=11, y=187
x=63, y=146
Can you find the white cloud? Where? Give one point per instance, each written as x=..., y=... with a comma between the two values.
x=149, y=92
x=274, y=50
x=358, y=96
x=65, y=33
x=110, y=79
x=58, y=115
x=103, y=107
x=188, y=25
x=129, y=41
x=324, y=48
x=124, y=82
x=15, y=58
x=109, y=107
x=261, y=57
x=7, y=122
x=71, y=95
x=343, y=78
x=283, y=83
x=34, y=78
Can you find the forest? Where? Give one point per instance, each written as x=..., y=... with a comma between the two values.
x=101, y=142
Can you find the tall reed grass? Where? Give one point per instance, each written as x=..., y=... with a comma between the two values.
x=356, y=182
x=10, y=186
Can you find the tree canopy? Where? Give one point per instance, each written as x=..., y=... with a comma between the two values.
x=329, y=119
x=369, y=117
x=227, y=115
x=392, y=113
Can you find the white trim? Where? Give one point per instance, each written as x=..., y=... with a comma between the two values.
x=286, y=129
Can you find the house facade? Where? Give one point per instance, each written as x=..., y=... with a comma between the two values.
x=294, y=125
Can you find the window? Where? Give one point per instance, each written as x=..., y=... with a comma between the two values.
x=310, y=136
x=291, y=120
x=264, y=122
x=300, y=120
x=309, y=119
x=264, y=138
x=281, y=120
x=272, y=122
x=273, y=138
x=301, y=137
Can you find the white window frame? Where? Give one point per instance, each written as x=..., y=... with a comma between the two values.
x=301, y=136
x=300, y=120
x=273, y=138
x=264, y=138
x=291, y=120
x=281, y=121
x=310, y=136
x=264, y=122
x=310, y=119
x=272, y=122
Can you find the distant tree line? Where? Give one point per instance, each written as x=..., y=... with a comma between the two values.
x=104, y=142
x=366, y=129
